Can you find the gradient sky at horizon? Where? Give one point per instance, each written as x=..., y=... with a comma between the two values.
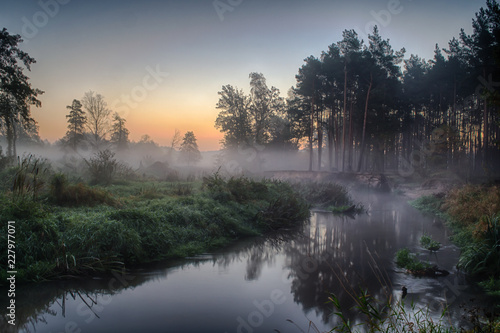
x=112, y=47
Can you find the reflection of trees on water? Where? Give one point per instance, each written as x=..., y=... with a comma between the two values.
x=342, y=256
x=332, y=254
x=35, y=303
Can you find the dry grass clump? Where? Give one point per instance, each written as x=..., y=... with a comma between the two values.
x=467, y=205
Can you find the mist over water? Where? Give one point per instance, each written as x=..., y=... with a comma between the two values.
x=259, y=283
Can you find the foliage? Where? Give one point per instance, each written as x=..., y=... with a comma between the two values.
x=467, y=205
x=324, y=194
x=102, y=167
x=76, y=124
x=482, y=257
x=406, y=259
x=387, y=316
x=473, y=213
x=189, y=149
x=159, y=221
x=30, y=177
x=119, y=133
x=256, y=119
x=430, y=244
x=430, y=204
x=16, y=93
x=64, y=194
x=4, y=160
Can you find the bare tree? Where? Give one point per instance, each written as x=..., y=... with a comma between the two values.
x=176, y=140
x=97, y=117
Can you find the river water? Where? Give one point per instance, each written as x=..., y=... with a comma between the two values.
x=279, y=283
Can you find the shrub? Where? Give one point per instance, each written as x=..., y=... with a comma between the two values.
x=468, y=204
x=406, y=259
x=482, y=257
x=430, y=244
x=324, y=194
x=102, y=167
x=29, y=178
x=284, y=211
x=430, y=204
x=78, y=194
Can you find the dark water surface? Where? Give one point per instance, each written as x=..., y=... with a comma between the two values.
x=281, y=282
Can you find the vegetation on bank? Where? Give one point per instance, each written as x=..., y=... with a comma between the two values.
x=473, y=213
x=430, y=244
x=66, y=228
x=391, y=315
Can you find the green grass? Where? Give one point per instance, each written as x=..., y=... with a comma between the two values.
x=406, y=259
x=430, y=205
x=430, y=244
x=473, y=214
x=77, y=229
x=324, y=195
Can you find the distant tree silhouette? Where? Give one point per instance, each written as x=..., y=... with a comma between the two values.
x=76, y=124
x=16, y=93
x=189, y=149
x=119, y=133
x=97, y=117
x=234, y=118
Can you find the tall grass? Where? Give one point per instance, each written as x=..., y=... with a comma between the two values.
x=473, y=213
x=324, y=194
x=154, y=222
x=383, y=313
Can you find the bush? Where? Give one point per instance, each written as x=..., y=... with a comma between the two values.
x=482, y=256
x=324, y=194
x=406, y=259
x=78, y=194
x=467, y=205
x=30, y=177
x=102, y=167
x=430, y=244
x=430, y=204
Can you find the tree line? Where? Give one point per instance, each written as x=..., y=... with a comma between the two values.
x=367, y=108
x=90, y=121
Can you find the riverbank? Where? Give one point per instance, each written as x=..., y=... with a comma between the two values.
x=472, y=212
x=76, y=230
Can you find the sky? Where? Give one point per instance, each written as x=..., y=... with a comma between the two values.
x=161, y=64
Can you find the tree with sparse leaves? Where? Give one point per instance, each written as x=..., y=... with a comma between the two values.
x=97, y=117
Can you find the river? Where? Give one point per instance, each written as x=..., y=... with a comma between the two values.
x=278, y=283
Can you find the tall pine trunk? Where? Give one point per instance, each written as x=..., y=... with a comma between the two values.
x=364, y=124
x=344, y=117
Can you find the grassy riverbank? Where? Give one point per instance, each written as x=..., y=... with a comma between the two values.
x=473, y=214
x=68, y=229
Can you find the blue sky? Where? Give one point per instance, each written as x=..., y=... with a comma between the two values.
x=124, y=50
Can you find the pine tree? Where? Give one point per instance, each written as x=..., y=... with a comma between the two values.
x=119, y=133
x=189, y=149
x=76, y=124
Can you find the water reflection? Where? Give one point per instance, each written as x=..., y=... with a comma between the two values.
x=231, y=290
